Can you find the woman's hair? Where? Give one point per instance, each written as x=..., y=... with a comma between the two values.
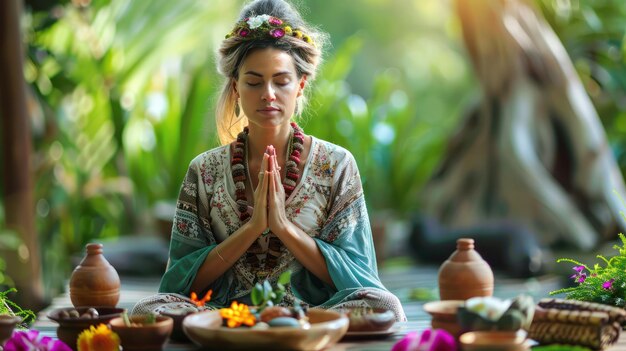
x=307, y=55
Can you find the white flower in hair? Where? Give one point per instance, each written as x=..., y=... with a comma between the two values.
x=257, y=21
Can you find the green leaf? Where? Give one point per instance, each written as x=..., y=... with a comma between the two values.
x=257, y=294
x=284, y=278
x=267, y=290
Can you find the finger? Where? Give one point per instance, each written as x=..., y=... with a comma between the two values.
x=276, y=163
x=270, y=163
x=264, y=163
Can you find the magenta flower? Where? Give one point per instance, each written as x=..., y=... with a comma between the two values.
x=277, y=32
x=581, y=278
x=608, y=284
x=244, y=33
x=579, y=269
x=429, y=340
x=32, y=340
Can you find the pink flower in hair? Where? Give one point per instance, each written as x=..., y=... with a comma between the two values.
x=275, y=21
x=277, y=32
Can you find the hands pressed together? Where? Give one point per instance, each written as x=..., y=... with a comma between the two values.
x=269, y=197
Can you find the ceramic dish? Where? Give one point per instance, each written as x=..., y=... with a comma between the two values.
x=494, y=341
x=444, y=315
x=369, y=320
x=327, y=327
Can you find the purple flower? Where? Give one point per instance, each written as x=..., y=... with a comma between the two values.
x=608, y=284
x=275, y=21
x=277, y=32
x=579, y=269
x=32, y=340
x=581, y=278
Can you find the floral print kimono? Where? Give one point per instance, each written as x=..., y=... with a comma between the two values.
x=328, y=204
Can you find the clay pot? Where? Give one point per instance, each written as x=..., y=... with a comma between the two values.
x=140, y=336
x=7, y=324
x=94, y=281
x=465, y=274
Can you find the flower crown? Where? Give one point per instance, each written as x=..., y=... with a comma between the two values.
x=263, y=26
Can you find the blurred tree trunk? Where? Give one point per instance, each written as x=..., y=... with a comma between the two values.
x=533, y=150
x=22, y=266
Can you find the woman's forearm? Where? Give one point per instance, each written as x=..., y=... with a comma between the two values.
x=223, y=256
x=306, y=251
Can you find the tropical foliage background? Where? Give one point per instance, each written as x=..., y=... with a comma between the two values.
x=122, y=94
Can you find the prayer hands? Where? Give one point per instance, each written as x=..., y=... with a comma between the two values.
x=270, y=195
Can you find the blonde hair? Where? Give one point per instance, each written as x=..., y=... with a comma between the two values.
x=229, y=119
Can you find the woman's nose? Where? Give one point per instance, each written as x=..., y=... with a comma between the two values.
x=268, y=93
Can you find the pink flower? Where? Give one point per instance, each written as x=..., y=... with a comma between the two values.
x=277, y=32
x=429, y=340
x=275, y=21
x=579, y=269
x=32, y=340
x=244, y=33
x=608, y=284
x=581, y=278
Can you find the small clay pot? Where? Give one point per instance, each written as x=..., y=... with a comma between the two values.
x=7, y=324
x=494, y=341
x=143, y=336
x=178, y=316
x=94, y=282
x=465, y=274
x=444, y=315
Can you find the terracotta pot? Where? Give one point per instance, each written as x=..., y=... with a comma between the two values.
x=7, y=324
x=94, y=281
x=465, y=274
x=143, y=336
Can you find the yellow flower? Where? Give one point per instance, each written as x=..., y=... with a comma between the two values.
x=298, y=34
x=288, y=30
x=99, y=338
x=237, y=315
x=84, y=339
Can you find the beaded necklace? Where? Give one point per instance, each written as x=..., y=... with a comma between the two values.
x=239, y=166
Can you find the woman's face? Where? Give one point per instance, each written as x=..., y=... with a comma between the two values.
x=268, y=86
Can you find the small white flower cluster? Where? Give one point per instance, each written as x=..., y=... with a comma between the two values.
x=257, y=21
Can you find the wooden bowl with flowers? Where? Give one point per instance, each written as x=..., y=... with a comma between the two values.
x=265, y=325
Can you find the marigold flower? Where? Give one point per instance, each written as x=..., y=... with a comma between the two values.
x=237, y=315
x=205, y=299
x=99, y=338
x=288, y=30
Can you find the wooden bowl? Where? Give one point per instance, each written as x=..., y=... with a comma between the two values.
x=143, y=336
x=70, y=328
x=327, y=327
x=444, y=315
x=494, y=341
x=7, y=324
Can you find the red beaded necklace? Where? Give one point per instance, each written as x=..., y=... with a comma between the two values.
x=239, y=167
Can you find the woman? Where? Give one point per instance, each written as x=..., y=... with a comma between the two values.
x=272, y=198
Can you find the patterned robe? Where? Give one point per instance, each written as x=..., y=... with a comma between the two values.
x=328, y=204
